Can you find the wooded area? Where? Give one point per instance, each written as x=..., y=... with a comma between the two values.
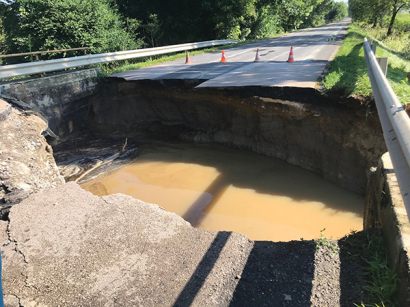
x=114, y=25
x=374, y=11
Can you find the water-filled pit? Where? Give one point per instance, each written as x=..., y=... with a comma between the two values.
x=218, y=188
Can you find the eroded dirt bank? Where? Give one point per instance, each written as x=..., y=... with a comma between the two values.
x=340, y=140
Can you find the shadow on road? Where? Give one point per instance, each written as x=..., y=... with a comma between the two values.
x=277, y=274
x=352, y=278
x=195, y=283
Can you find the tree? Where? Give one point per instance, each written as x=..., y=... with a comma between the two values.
x=319, y=14
x=153, y=29
x=64, y=24
x=339, y=12
x=295, y=12
x=372, y=11
x=267, y=21
x=396, y=6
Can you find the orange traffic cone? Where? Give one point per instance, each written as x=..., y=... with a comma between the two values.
x=188, y=60
x=257, y=58
x=291, y=59
x=223, y=59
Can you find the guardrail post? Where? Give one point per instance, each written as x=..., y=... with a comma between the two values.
x=374, y=46
x=383, y=64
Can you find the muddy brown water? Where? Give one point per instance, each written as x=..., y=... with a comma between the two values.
x=218, y=188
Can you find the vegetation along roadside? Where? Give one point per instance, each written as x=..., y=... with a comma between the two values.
x=386, y=22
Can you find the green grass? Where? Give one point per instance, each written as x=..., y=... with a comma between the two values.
x=382, y=281
x=324, y=241
x=403, y=18
x=348, y=71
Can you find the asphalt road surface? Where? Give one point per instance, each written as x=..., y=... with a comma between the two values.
x=313, y=49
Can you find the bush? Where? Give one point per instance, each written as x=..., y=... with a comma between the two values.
x=64, y=24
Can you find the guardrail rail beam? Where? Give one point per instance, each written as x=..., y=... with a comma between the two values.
x=39, y=67
x=395, y=123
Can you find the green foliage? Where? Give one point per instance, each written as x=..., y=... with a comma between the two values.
x=324, y=242
x=369, y=11
x=326, y=11
x=373, y=11
x=368, y=305
x=368, y=248
x=383, y=280
x=348, y=71
x=187, y=21
x=153, y=29
x=113, y=25
x=319, y=15
x=267, y=22
x=64, y=24
x=339, y=12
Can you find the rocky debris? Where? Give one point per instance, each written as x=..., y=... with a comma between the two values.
x=5, y=110
x=67, y=247
x=87, y=156
x=26, y=160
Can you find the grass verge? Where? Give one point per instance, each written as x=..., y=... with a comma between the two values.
x=348, y=71
x=382, y=281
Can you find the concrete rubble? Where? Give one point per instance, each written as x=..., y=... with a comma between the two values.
x=5, y=110
x=26, y=160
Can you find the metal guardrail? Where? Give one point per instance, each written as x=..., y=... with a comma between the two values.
x=36, y=53
x=9, y=71
x=395, y=123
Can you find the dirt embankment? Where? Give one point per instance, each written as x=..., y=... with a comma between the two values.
x=341, y=140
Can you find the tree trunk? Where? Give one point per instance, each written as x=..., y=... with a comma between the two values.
x=374, y=22
x=393, y=17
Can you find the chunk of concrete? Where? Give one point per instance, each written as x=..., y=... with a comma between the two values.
x=82, y=250
x=5, y=110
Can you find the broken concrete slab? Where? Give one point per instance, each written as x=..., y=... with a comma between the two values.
x=77, y=249
x=26, y=160
x=5, y=110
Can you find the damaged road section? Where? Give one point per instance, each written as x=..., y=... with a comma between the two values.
x=67, y=247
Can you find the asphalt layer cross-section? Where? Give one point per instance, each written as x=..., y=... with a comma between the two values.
x=313, y=49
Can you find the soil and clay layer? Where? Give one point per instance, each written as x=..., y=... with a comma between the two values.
x=340, y=140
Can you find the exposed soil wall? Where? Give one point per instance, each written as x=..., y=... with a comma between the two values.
x=61, y=97
x=340, y=140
